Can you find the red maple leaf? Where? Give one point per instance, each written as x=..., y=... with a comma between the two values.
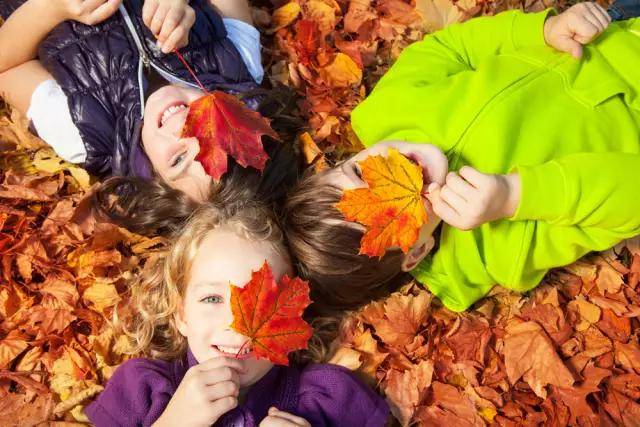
x=270, y=314
x=224, y=125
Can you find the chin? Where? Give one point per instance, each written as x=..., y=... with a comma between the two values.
x=256, y=369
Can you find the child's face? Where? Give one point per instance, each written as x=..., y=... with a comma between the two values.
x=173, y=157
x=347, y=176
x=224, y=258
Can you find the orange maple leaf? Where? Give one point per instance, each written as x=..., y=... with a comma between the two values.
x=224, y=125
x=270, y=314
x=391, y=208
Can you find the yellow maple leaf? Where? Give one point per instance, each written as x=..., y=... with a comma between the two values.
x=391, y=208
x=342, y=71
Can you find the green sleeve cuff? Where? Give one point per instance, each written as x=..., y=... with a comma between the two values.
x=542, y=192
x=453, y=296
x=528, y=28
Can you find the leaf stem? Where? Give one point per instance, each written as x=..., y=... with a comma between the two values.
x=190, y=70
x=241, y=348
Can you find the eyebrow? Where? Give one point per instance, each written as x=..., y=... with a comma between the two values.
x=210, y=284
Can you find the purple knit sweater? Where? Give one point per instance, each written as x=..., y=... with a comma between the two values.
x=324, y=395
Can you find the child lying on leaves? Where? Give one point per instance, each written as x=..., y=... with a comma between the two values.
x=542, y=148
x=100, y=84
x=201, y=371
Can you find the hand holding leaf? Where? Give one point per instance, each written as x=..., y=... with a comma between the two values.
x=391, y=208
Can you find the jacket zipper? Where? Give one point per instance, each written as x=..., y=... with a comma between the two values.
x=146, y=61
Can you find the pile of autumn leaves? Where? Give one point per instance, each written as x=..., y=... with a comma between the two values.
x=567, y=354
x=61, y=274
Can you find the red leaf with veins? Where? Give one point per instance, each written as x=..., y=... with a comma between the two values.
x=270, y=314
x=224, y=125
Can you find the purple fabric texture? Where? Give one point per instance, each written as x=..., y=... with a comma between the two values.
x=324, y=395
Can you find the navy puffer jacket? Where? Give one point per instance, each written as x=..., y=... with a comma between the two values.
x=101, y=69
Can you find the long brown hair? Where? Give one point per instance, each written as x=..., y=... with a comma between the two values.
x=150, y=206
x=325, y=250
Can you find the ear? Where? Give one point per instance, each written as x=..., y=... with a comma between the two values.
x=181, y=323
x=417, y=253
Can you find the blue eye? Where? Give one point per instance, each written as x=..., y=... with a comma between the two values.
x=212, y=299
x=178, y=160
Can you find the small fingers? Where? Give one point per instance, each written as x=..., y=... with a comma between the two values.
x=158, y=19
x=473, y=176
x=180, y=36
x=222, y=406
x=219, y=375
x=171, y=22
x=452, y=198
x=273, y=411
x=584, y=25
x=218, y=362
x=440, y=207
x=148, y=11
x=601, y=15
x=590, y=16
x=102, y=12
x=172, y=41
x=221, y=390
x=459, y=185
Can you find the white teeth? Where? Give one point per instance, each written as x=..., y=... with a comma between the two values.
x=233, y=350
x=171, y=111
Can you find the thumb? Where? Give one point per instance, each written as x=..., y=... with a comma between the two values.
x=433, y=192
x=569, y=45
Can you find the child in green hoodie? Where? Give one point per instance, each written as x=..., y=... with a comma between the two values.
x=540, y=133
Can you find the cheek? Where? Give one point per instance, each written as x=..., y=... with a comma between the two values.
x=152, y=146
x=208, y=317
x=196, y=184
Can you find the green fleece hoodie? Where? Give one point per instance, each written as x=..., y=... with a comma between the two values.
x=492, y=95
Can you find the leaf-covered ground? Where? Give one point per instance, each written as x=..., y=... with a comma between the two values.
x=566, y=354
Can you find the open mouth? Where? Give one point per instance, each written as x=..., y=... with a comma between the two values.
x=233, y=351
x=170, y=111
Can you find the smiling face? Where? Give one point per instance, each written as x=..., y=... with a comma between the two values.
x=173, y=157
x=224, y=258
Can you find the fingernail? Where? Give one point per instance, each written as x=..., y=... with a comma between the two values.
x=432, y=187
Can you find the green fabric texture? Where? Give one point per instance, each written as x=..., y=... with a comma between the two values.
x=492, y=95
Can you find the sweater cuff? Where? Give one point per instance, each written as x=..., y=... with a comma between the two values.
x=528, y=28
x=542, y=192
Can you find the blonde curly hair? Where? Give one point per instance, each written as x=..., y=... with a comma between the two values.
x=157, y=295
x=149, y=314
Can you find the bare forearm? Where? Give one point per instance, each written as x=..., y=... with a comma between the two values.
x=236, y=9
x=18, y=83
x=23, y=32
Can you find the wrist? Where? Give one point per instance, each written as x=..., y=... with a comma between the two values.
x=53, y=12
x=548, y=27
x=512, y=183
